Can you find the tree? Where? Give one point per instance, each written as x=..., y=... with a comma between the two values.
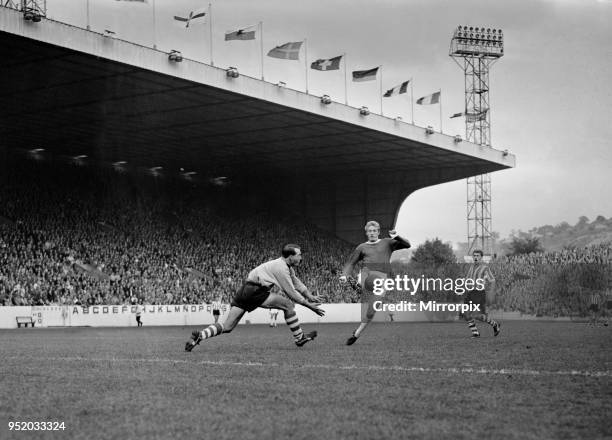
x=525, y=245
x=434, y=253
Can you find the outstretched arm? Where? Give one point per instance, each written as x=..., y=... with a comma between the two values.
x=400, y=242
x=286, y=280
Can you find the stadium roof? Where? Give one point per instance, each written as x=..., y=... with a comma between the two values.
x=72, y=91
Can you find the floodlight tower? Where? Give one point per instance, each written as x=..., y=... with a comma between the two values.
x=479, y=48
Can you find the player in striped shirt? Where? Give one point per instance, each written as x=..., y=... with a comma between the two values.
x=255, y=292
x=375, y=254
x=479, y=270
x=594, y=307
x=216, y=309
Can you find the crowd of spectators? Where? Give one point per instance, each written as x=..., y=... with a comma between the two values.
x=77, y=235
x=72, y=236
x=553, y=283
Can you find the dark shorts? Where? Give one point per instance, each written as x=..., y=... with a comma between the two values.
x=216, y=312
x=250, y=296
x=594, y=307
x=137, y=318
x=477, y=297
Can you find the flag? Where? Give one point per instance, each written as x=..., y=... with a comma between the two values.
x=330, y=64
x=192, y=16
x=365, y=75
x=287, y=51
x=397, y=90
x=241, y=34
x=474, y=117
x=434, y=98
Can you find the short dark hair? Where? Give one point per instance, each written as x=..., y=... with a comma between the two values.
x=289, y=250
x=478, y=251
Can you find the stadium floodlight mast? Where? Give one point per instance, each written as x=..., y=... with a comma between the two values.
x=479, y=48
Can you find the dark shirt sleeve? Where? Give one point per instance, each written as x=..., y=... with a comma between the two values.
x=400, y=243
x=355, y=257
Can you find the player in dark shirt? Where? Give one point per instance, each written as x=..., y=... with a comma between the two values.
x=375, y=255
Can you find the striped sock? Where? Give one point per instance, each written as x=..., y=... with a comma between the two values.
x=485, y=318
x=472, y=325
x=212, y=330
x=294, y=325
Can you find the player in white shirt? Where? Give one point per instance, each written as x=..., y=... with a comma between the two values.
x=255, y=292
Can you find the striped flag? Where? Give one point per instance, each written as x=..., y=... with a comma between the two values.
x=287, y=51
x=247, y=33
x=472, y=117
x=193, y=15
x=434, y=98
x=330, y=64
x=475, y=117
x=365, y=75
x=397, y=90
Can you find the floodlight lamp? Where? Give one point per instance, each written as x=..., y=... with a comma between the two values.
x=281, y=84
x=458, y=138
x=429, y=130
x=188, y=175
x=175, y=56
x=232, y=72
x=108, y=33
x=399, y=118
x=325, y=99
x=155, y=171
x=364, y=111
x=505, y=153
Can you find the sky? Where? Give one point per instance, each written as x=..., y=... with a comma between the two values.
x=550, y=95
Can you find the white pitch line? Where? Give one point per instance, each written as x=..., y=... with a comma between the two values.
x=460, y=370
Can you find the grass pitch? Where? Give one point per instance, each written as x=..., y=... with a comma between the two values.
x=399, y=381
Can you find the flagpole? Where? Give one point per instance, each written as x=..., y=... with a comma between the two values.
x=88, y=27
x=154, y=32
x=411, y=101
x=345, y=92
x=306, y=62
x=212, y=63
x=440, y=91
x=380, y=91
x=261, y=47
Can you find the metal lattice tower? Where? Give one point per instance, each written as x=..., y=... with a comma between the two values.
x=478, y=48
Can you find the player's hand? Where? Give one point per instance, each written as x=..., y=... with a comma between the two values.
x=343, y=279
x=317, y=299
x=315, y=308
x=393, y=233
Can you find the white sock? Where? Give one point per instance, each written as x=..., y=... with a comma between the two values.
x=361, y=328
